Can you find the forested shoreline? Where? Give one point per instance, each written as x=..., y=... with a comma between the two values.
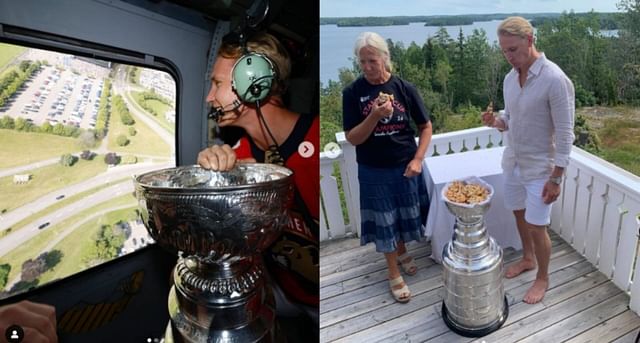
x=607, y=21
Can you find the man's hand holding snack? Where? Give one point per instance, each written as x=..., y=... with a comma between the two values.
x=487, y=117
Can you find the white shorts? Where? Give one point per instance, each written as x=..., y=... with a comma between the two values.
x=526, y=195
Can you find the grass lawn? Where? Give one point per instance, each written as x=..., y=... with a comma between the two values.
x=48, y=179
x=80, y=238
x=159, y=107
x=145, y=142
x=8, y=52
x=19, y=148
x=79, y=244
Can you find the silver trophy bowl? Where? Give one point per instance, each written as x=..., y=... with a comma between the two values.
x=218, y=223
x=474, y=303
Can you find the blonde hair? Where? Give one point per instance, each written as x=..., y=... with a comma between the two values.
x=269, y=46
x=515, y=26
x=375, y=41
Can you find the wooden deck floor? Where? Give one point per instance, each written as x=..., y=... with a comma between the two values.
x=581, y=305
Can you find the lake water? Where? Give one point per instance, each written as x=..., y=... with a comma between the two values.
x=336, y=43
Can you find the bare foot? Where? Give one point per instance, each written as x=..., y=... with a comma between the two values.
x=518, y=268
x=537, y=291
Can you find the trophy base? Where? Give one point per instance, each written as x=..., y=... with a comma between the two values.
x=276, y=336
x=475, y=332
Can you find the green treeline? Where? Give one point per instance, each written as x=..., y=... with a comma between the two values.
x=458, y=76
x=14, y=81
x=607, y=21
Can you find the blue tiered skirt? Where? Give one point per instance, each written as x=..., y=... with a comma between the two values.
x=392, y=207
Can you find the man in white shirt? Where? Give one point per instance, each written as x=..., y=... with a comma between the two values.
x=539, y=117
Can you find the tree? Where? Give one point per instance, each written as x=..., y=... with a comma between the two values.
x=122, y=140
x=111, y=158
x=129, y=159
x=32, y=269
x=126, y=118
x=52, y=258
x=7, y=122
x=4, y=274
x=24, y=65
x=21, y=124
x=132, y=131
x=87, y=155
x=46, y=127
x=68, y=160
x=87, y=140
x=58, y=129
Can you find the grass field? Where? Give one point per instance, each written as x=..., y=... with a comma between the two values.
x=73, y=245
x=619, y=132
x=20, y=148
x=47, y=179
x=145, y=142
x=159, y=107
x=7, y=53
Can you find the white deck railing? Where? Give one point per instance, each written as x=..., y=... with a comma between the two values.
x=598, y=214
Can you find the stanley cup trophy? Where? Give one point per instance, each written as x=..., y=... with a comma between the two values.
x=218, y=223
x=474, y=302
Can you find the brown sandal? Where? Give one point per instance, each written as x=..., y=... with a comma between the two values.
x=402, y=295
x=408, y=264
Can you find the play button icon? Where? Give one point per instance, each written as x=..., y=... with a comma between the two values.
x=305, y=149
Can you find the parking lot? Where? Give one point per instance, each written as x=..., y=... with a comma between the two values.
x=57, y=95
x=66, y=92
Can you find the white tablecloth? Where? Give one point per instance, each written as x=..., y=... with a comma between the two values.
x=440, y=170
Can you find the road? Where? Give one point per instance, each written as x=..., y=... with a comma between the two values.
x=115, y=173
x=17, y=238
x=27, y=167
x=120, y=86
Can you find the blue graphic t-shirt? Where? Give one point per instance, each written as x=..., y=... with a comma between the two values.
x=392, y=142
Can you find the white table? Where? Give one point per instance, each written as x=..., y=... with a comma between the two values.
x=485, y=164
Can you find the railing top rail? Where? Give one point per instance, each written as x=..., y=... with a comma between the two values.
x=612, y=174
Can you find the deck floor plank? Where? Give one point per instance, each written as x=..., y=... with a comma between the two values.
x=581, y=305
x=610, y=330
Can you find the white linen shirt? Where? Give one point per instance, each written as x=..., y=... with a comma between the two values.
x=539, y=119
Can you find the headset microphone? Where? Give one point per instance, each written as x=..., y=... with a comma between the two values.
x=216, y=113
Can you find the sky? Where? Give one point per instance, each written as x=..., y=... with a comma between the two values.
x=384, y=8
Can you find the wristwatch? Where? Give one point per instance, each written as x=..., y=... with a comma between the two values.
x=557, y=180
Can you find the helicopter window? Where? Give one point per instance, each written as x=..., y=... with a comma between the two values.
x=73, y=132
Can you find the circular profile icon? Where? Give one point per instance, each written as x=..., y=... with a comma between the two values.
x=14, y=334
x=332, y=150
x=305, y=149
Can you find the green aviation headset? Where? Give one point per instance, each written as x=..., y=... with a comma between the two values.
x=252, y=77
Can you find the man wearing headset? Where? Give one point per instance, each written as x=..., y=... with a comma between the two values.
x=245, y=96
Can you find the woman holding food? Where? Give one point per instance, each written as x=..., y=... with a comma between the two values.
x=377, y=110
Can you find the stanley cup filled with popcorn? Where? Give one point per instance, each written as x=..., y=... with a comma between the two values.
x=217, y=223
x=474, y=302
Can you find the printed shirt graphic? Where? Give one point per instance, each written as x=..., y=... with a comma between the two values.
x=392, y=142
x=293, y=259
x=391, y=125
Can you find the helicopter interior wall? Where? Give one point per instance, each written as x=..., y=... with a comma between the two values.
x=140, y=30
x=123, y=300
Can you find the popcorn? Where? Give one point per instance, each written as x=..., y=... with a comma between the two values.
x=384, y=97
x=466, y=193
